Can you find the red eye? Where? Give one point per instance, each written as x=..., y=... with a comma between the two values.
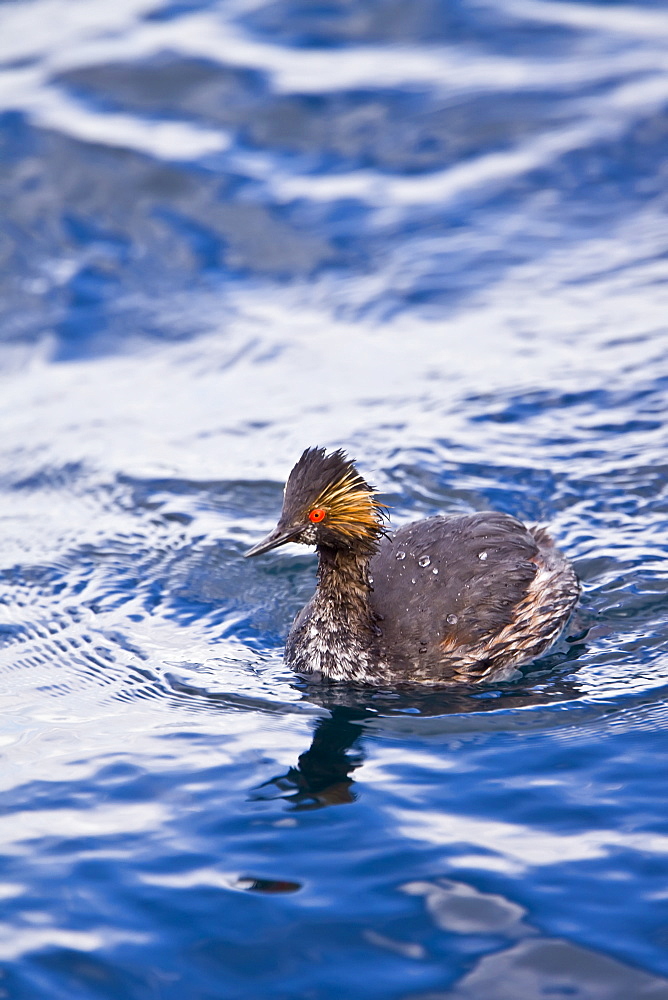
x=317, y=515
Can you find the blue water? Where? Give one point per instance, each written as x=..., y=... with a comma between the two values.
x=433, y=233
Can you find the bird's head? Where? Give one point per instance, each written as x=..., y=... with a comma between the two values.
x=326, y=503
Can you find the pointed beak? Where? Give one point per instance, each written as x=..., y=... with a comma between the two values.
x=279, y=536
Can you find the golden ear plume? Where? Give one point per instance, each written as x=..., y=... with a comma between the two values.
x=352, y=508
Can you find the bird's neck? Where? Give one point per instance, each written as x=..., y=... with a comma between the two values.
x=339, y=637
x=343, y=582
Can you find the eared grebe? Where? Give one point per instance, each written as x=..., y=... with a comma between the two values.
x=464, y=598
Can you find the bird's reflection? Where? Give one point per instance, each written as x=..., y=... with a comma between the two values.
x=322, y=775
